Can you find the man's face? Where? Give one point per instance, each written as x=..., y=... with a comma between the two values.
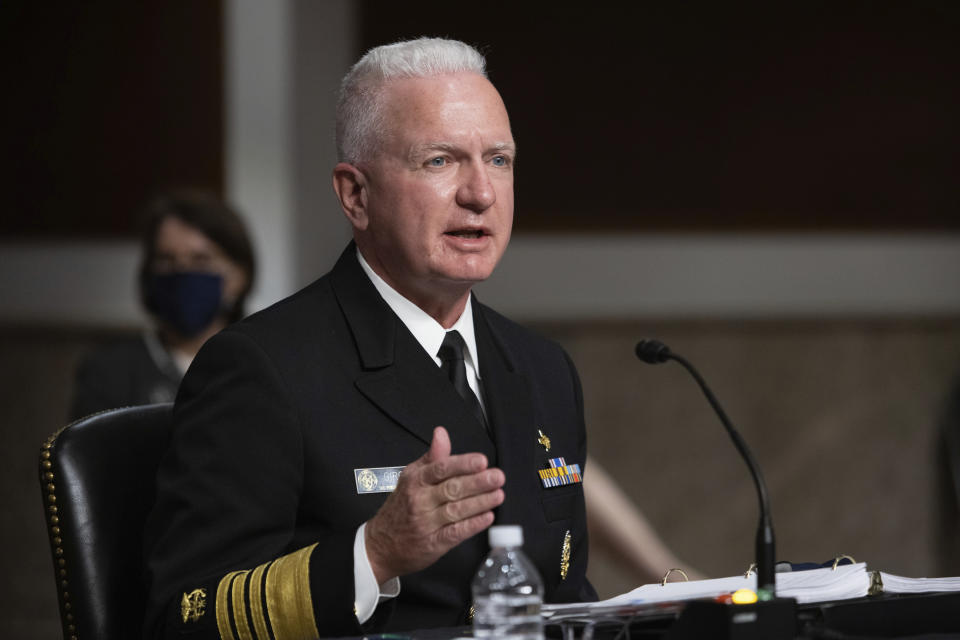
x=439, y=192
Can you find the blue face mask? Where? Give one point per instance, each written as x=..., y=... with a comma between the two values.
x=187, y=301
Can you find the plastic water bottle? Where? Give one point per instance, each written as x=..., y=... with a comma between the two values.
x=507, y=590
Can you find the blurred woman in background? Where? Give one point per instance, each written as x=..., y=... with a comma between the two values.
x=196, y=270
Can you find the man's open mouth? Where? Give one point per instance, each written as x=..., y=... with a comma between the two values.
x=466, y=233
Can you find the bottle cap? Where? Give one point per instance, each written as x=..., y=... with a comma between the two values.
x=506, y=535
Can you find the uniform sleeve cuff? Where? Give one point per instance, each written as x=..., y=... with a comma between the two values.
x=367, y=593
x=275, y=594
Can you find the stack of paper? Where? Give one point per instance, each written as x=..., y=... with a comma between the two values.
x=816, y=585
x=822, y=585
x=899, y=584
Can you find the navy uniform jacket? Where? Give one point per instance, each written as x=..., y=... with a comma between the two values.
x=257, y=503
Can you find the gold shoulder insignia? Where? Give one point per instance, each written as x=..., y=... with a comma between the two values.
x=193, y=605
x=565, y=556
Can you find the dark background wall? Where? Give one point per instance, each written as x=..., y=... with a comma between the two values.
x=752, y=116
x=721, y=116
x=107, y=103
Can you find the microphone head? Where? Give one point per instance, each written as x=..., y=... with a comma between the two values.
x=652, y=351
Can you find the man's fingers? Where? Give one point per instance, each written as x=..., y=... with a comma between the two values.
x=467, y=508
x=460, y=487
x=454, y=534
x=452, y=466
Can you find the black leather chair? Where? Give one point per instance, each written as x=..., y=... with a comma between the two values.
x=97, y=477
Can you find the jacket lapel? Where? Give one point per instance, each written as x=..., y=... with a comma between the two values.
x=511, y=412
x=397, y=375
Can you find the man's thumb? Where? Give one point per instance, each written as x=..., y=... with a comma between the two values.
x=439, y=446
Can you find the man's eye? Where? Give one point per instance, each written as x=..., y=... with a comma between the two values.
x=439, y=161
x=500, y=161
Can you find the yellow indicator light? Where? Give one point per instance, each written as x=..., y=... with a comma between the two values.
x=744, y=596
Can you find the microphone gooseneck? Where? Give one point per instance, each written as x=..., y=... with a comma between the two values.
x=655, y=352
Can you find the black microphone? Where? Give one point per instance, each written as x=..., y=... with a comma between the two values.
x=655, y=352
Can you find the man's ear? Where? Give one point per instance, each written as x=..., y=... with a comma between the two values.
x=350, y=185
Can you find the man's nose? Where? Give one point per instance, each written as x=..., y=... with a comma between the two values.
x=476, y=191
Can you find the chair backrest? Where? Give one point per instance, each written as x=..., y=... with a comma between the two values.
x=98, y=480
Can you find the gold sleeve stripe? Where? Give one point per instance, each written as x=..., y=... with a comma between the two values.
x=223, y=605
x=284, y=585
x=256, y=601
x=289, y=602
x=239, y=606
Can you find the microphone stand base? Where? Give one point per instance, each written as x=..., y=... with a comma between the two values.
x=769, y=620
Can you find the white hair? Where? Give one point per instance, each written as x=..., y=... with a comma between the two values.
x=359, y=108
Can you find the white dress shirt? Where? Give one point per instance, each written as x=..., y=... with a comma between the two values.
x=429, y=333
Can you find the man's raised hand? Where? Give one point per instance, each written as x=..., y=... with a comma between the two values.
x=440, y=501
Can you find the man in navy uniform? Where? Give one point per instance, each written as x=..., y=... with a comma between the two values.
x=281, y=508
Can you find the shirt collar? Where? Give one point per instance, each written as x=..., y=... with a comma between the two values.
x=427, y=331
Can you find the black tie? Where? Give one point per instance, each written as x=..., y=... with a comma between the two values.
x=451, y=361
